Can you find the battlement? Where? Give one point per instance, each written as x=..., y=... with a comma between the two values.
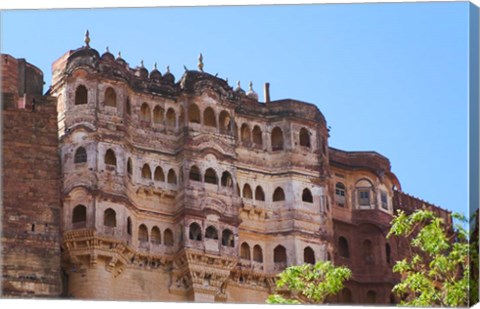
x=19, y=80
x=410, y=204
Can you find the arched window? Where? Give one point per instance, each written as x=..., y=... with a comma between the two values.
x=146, y=173
x=307, y=196
x=227, y=238
x=129, y=166
x=280, y=254
x=142, y=233
x=259, y=194
x=227, y=180
x=257, y=136
x=195, y=232
x=371, y=297
x=129, y=226
x=340, y=194
x=110, y=97
x=81, y=95
x=277, y=139
x=346, y=296
x=224, y=122
x=388, y=253
x=159, y=175
x=195, y=173
x=168, y=238
x=209, y=118
x=171, y=118
x=384, y=200
x=278, y=195
x=257, y=254
x=156, y=237
x=247, y=191
x=364, y=192
x=245, y=251
x=393, y=301
x=304, y=138
x=343, y=247
x=211, y=176
x=110, y=157
x=308, y=255
x=80, y=155
x=193, y=114
x=211, y=233
x=128, y=106
x=158, y=115
x=109, y=218
x=172, y=177
x=245, y=133
x=79, y=214
x=145, y=113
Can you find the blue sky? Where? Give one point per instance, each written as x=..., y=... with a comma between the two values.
x=392, y=78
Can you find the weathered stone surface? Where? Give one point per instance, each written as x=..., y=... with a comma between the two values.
x=31, y=184
x=183, y=191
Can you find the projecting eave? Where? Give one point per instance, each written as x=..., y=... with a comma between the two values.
x=298, y=108
x=368, y=160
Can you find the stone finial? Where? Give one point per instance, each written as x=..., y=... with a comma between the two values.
x=168, y=69
x=119, y=55
x=200, y=62
x=107, y=49
x=238, y=86
x=87, y=39
x=251, y=93
x=155, y=66
x=141, y=64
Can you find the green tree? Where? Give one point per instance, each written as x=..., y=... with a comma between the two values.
x=309, y=283
x=436, y=273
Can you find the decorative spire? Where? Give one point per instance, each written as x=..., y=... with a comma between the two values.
x=168, y=69
x=155, y=66
x=238, y=85
x=87, y=39
x=200, y=62
x=119, y=55
x=141, y=63
x=107, y=49
x=251, y=93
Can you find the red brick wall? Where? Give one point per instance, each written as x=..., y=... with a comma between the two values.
x=31, y=201
x=9, y=80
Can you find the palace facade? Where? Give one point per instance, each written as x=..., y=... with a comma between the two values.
x=125, y=184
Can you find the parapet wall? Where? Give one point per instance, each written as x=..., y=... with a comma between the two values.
x=410, y=204
x=19, y=78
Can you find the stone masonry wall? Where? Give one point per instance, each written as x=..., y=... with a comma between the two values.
x=31, y=201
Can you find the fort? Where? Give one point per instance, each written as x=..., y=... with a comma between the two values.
x=125, y=184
